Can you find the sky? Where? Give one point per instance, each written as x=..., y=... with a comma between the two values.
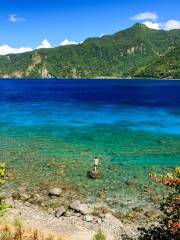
x=31, y=24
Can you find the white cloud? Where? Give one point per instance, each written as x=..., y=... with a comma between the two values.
x=172, y=24
x=67, y=42
x=15, y=18
x=169, y=25
x=102, y=35
x=152, y=25
x=5, y=49
x=145, y=16
x=44, y=44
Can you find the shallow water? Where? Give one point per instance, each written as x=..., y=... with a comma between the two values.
x=52, y=129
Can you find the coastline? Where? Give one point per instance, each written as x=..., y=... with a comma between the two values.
x=79, y=222
x=98, y=78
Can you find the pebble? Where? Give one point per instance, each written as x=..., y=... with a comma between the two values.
x=24, y=196
x=88, y=218
x=51, y=211
x=16, y=195
x=150, y=214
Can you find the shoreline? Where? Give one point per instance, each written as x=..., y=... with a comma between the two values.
x=99, y=78
x=78, y=222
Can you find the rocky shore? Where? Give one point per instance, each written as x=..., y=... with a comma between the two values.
x=74, y=220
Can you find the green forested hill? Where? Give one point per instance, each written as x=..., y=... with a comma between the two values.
x=167, y=66
x=126, y=53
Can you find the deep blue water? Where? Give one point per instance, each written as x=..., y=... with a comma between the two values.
x=141, y=105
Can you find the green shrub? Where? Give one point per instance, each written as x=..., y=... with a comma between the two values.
x=2, y=173
x=99, y=236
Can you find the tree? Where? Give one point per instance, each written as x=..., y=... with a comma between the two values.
x=169, y=227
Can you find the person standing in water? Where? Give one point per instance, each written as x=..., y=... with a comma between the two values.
x=96, y=164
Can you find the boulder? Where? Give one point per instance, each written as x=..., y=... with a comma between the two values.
x=75, y=205
x=55, y=192
x=84, y=209
x=60, y=212
x=109, y=218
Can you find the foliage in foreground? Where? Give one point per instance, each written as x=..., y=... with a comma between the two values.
x=17, y=232
x=169, y=228
x=99, y=236
x=3, y=205
x=2, y=173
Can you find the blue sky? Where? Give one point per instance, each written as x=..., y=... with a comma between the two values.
x=26, y=23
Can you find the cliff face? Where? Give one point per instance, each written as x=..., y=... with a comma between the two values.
x=126, y=53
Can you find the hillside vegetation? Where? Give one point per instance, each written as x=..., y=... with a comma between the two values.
x=167, y=66
x=137, y=51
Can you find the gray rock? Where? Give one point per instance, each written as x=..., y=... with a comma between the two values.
x=69, y=214
x=150, y=214
x=84, y=209
x=55, y=192
x=75, y=205
x=109, y=218
x=77, y=214
x=24, y=196
x=88, y=218
x=27, y=204
x=99, y=220
x=60, y=212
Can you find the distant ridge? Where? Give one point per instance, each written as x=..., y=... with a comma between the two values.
x=135, y=52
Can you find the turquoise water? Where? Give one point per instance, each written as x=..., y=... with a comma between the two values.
x=52, y=129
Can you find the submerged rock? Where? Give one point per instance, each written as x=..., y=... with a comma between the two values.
x=131, y=183
x=94, y=174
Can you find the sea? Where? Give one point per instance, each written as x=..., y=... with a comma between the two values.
x=51, y=130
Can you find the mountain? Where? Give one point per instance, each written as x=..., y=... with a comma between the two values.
x=167, y=66
x=126, y=53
